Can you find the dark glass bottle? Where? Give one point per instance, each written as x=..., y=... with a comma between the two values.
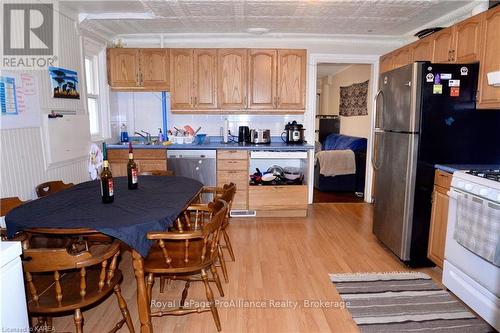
x=131, y=169
x=107, y=185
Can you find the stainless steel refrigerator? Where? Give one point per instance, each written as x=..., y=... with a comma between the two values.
x=424, y=115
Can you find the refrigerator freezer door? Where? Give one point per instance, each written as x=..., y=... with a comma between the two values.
x=396, y=163
x=398, y=106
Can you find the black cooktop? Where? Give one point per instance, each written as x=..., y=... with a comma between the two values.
x=492, y=174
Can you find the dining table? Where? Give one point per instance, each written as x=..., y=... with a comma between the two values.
x=153, y=206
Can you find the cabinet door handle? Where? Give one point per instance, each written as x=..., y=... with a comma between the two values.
x=195, y=100
x=449, y=55
x=245, y=102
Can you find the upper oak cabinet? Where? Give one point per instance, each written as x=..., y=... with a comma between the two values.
x=421, y=50
x=123, y=68
x=291, y=79
x=386, y=63
x=262, y=79
x=154, y=68
x=138, y=69
x=467, y=39
x=489, y=96
x=232, y=79
x=181, y=69
x=205, y=78
x=443, y=46
x=401, y=57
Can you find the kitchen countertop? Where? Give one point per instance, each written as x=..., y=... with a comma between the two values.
x=215, y=143
x=451, y=168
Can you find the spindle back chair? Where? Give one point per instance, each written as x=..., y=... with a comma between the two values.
x=59, y=280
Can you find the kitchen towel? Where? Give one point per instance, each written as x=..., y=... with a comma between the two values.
x=336, y=162
x=478, y=227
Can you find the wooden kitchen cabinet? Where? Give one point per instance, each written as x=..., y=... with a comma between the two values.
x=138, y=69
x=205, y=78
x=155, y=69
x=386, y=63
x=285, y=200
x=262, y=73
x=291, y=78
x=123, y=67
x=146, y=160
x=421, y=50
x=466, y=40
x=401, y=57
x=489, y=96
x=232, y=78
x=439, y=217
x=181, y=77
x=442, y=46
x=232, y=166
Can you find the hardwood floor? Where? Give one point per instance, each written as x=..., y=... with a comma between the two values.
x=277, y=259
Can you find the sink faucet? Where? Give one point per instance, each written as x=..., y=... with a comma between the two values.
x=146, y=137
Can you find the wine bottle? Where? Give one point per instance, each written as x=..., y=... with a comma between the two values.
x=131, y=169
x=107, y=185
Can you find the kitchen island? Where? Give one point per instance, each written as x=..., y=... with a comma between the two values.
x=234, y=163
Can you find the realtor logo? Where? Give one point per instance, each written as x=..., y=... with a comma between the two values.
x=29, y=35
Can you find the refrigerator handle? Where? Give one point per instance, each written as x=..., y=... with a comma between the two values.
x=376, y=152
x=375, y=109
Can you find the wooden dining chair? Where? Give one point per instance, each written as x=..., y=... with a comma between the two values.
x=60, y=281
x=6, y=205
x=187, y=256
x=51, y=187
x=157, y=173
x=196, y=215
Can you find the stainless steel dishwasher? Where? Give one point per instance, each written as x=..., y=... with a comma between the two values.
x=195, y=164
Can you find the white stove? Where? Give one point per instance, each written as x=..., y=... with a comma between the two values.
x=482, y=183
x=474, y=200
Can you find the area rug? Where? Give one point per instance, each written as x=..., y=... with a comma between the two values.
x=404, y=302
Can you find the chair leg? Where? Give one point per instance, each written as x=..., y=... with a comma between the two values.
x=162, y=284
x=211, y=300
x=78, y=318
x=222, y=263
x=149, y=286
x=213, y=269
x=185, y=293
x=228, y=243
x=123, y=308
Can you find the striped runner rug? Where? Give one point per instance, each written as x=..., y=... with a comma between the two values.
x=404, y=302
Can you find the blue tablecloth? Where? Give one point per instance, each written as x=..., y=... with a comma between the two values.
x=154, y=206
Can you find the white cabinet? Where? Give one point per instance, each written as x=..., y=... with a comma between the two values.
x=13, y=311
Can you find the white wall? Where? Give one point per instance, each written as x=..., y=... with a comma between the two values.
x=356, y=125
x=22, y=164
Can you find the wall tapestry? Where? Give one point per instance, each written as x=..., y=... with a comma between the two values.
x=64, y=83
x=353, y=100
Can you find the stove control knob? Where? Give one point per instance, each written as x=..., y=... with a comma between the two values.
x=483, y=192
x=468, y=187
x=461, y=184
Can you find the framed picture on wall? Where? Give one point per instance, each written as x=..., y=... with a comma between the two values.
x=64, y=83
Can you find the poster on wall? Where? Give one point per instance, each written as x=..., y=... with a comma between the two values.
x=19, y=100
x=64, y=83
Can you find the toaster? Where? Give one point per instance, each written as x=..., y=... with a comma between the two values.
x=260, y=136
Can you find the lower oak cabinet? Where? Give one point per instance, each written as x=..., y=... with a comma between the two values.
x=439, y=217
x=232, y=166
x=146, y=160
x=286, y=200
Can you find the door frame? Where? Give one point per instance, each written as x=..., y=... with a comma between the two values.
x=310, y=117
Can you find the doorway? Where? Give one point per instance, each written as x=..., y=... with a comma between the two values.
x=342, y=117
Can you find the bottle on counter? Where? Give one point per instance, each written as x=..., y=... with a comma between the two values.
x=160, y=136
x=123, y=133
x=225, y=131
x=131, y=169
x=107, y=185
